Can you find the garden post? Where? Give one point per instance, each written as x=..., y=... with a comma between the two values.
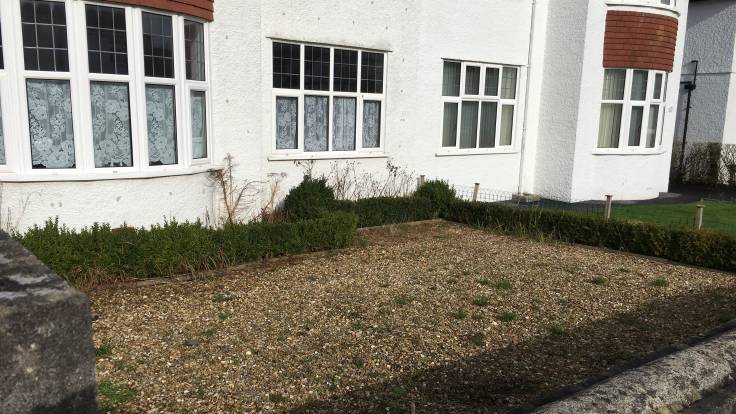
x=609, y=205
x=422, y=179
x=699, y=217
x=475, y=191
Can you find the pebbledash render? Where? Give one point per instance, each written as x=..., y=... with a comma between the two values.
x=116, y=111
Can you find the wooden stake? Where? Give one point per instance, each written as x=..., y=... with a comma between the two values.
x=699, y=217
x=476, y=189
x=609, y=206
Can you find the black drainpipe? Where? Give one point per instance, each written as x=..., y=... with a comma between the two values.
x=690, y=87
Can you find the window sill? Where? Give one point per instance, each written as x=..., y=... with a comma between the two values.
x=663, y=8
x=459, y=152
x=616, y=151
x=337, y=155
x=62, y=176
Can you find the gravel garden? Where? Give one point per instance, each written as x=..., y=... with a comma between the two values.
x=429, y=317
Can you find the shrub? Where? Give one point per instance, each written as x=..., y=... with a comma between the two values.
x=311, y=199
x=95, y=253
x=438, y=192
x=387, y=210
x=696, y=247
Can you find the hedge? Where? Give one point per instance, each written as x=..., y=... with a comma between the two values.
x=696, y=247
x=388, y=210
x=175, y=248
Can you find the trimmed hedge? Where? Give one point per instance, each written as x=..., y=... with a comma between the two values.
x=389, y=210
x=175, y=248
x=696, y=247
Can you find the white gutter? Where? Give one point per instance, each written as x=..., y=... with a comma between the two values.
x=526, y=99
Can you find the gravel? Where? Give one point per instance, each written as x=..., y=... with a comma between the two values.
x=433, y=317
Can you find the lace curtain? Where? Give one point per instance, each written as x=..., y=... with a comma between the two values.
x=343, y=129
x=316, y=120
x=50, y=119
x=371, y=124
x=161, y=124
x=286, y=122
x=614, y=81
x=111, y=133
x=199, y=125
x=2, y=139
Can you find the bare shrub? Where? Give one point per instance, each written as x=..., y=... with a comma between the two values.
x=10, y=219
x=237, y=197
x=709, y=163
x=350, y=182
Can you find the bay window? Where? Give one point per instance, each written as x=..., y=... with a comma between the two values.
x=631, y=109
x=327, y=99
x=102, y=88
x=478, y=105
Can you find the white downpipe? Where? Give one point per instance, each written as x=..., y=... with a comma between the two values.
x=526, y=99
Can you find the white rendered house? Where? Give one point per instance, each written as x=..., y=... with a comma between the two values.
x=115, y=111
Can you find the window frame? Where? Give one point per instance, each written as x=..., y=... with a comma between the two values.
x=480, y=99
x=627, y=108
x=6, y=91
x=301, y=93
x=19, y=163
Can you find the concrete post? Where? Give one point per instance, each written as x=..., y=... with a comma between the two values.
x=476, y=189
x=609, y=206
x=699, y=217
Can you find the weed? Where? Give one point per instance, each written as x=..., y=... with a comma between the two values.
x=503, y=285
x=112, y=395
x=556, y=330
x=482, y=301
x=220, y=297
x=460, y=314
x=477, y=317
x=276, y=398
x=402, y=300
x=661, y=283
x=103, y=351
x=223, y=316
x=599, y=280
x=484, y=282
x=209, y=332
x=508, y=316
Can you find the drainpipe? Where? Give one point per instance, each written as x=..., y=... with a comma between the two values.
x=526, y=99
x=690, y=87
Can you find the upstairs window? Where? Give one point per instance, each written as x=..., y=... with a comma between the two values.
x=479, y=105
x=631, y=109
x=327, y=98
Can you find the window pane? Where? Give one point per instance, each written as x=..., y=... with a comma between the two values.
x=491, y=88
x=451, y=79
x=286, y=60
x=2, y=139
x=161, y=114
x=653, y=126
x=507, y=125
x=316, y=122
x=44, y=36
x=316, y=68
x=286, y=122
x=489, y=112
x=194, y=50
x=199, y=124
x=472, y=81
x=371, y=72
x=508, y=83
x=343, y=130
x=106, y=40
x=111, y=135
x=158, y=45
x=346, y=71
x=449, y=124
x=469, y=125
x=639, y=85
x=610, y=125
x=2, y=60
x=50, y=120
x=371, y=124
x=658, y=79
x=614, y=81
x=637, y=116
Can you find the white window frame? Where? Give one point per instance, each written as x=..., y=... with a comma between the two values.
x=629, y=104
x=481, y=98
x=13, y=82
x=331, y=94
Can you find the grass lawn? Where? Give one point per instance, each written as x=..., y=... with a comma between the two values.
x=720, y=216
x=430, y=318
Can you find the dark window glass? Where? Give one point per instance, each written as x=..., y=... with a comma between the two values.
x=346, y=70
x=107, y=46
x=194, y=50
x=158, y=46
x=371, y=73
x=286, y=59
x=316, y=68
x=44, y=36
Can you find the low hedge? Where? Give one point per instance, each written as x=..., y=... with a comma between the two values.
x=389, y=210
x=696, y=247
x=175, y=248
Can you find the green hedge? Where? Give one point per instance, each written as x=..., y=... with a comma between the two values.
x=388, y=210
x=175, y=248
x=701, y=248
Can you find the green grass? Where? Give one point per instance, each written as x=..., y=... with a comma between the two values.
x=482, y=301
x=460, y=314
x=599, y=280
x=507, y=316
x=112, y=395
x=503, y=285
x=103, y=350
x=660, y=283
x=718, y=215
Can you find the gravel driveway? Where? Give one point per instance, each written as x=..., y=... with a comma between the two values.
x=434, y=317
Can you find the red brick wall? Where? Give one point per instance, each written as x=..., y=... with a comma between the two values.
x=639, y=40
x=197, y=8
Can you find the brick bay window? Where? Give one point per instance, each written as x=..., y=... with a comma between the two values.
x=101, y=89
x=328, y=101
x=478, y=106
x=632, y=109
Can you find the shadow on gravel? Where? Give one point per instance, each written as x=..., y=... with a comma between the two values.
x=519, y=377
